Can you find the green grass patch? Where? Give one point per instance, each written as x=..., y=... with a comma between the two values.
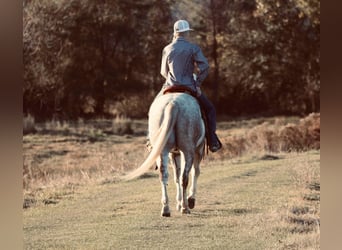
x=254, y=211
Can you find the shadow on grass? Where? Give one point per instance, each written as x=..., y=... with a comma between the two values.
x=221, y=212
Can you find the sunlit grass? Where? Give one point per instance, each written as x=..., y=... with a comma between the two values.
x=246, y=204
x=63, y=154
x=250, y=195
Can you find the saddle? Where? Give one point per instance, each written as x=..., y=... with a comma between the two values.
x=180, y=89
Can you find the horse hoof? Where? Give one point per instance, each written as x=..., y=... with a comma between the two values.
x=191, y=202
x=166, y=214
x=185, y=211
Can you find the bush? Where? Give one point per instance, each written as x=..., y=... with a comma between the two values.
x=304, y=136
x=122, y=125
x=135, y=106
x=276, y=137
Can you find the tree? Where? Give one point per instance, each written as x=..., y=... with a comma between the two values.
x=83, y=53
x=80, y=57
x=267, y=50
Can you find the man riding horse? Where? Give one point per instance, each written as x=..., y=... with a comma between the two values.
x=175, y=121
x=181, y=61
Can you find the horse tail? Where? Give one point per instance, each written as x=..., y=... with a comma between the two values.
x=162, y=136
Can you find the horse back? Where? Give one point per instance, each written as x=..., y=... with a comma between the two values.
x=188, y=128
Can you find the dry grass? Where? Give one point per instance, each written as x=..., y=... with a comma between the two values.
x=65, y=155
x=62, y=156
x=267, y=136
x=252, y=195
x=302, y=213
x=246, y=204
x=122, y=125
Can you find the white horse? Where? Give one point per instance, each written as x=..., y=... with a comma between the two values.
x=176, y=130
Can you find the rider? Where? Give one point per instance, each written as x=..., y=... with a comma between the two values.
x=181, y=61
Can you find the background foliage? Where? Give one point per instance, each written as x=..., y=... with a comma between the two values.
x=101, y=58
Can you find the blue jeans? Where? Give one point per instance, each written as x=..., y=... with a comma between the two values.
x=210, y=113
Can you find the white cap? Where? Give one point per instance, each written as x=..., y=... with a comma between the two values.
x=181, y=26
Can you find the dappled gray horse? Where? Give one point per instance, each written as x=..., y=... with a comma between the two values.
x=176, y=130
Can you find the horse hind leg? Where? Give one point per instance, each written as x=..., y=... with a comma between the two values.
x=185, y=182
x=176, y=164
x=195, y=172
x=192, y=196
x=164, y=175
x=192, y=193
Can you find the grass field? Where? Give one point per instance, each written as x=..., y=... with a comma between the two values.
x=73, y=198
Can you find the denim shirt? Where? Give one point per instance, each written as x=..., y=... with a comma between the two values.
x=178, y=64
